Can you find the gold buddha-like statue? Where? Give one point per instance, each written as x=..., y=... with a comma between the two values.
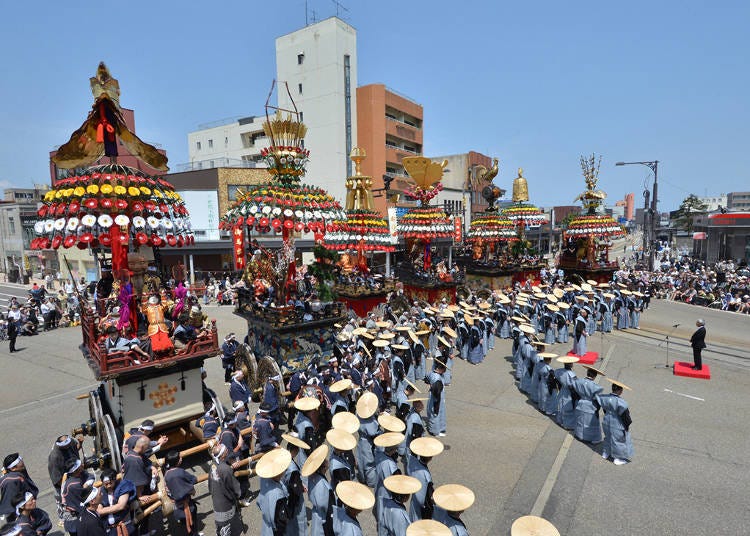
x=520, y=188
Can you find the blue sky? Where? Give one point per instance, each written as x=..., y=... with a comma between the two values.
x=536, y=84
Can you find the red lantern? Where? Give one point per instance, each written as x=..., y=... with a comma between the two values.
x=288, y=224
x=299, y=226
x=240, y=221
x=156, y=240
x=60, y=209
x=74, y=207
x=56, y=241
x=87, y=238
x=141, y=238
x=91, y=203
x=276, y=223
x=263, y=222
x=42, y=211
x=171, y=240
x=250, y=221
x=105, y=240
x=180, y=241
x=121, y=204
x=137, y=206
x=106, y=203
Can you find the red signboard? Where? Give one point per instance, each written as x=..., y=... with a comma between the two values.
x=458, y=230
x=238, y=247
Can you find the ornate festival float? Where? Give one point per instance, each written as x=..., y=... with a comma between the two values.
x=289, y=312
x=364, y=231
x=588, y=237
x=500, y=253
x=117, y=212
x=422, y=278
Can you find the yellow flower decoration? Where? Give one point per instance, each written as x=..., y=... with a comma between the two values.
x=120, y=190
x=133, y=191
x=79, y=191
x=93, y=189
x=49, y=196
x=107, y=189
x=145, y=190
x=58, y=194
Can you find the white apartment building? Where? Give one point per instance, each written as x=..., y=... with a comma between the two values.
x=319, y=65
x=713, y=202
x=234, y=142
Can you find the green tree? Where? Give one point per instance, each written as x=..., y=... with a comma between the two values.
x=690, y=206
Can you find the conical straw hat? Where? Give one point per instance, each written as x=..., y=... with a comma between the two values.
x=426, y=446
x=355, y=495
x=402, y=484
x=427, y=527
x=306, y=403
x=341, y=440
x=367, y=405
x=389, y=423
x=314, y=460
x=273, y=463
x=389, y=439
x=533, y=526
x=348, y=422
x=294, y=439
x=453, y=497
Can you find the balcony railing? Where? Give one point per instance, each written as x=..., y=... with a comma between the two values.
x=217, y=163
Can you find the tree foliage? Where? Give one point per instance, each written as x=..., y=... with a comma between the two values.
x=690, y=206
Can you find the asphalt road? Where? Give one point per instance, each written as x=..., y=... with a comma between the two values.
x=688, y=476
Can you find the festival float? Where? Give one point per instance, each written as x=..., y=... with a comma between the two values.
x=588, y=237
x=289, y=316
x=116, y=212
x=364, y=231
x=420, y=227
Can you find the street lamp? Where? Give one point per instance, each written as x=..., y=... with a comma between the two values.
x=653, y=166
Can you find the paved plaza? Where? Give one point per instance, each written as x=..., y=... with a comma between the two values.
x=688, y=475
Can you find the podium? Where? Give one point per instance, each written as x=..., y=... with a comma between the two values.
x=589, y=358
x=682, y=368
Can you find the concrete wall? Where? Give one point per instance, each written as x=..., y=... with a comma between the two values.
x=237, y=140
x=322, y=99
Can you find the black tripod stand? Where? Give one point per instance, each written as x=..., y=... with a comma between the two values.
x=666, y=341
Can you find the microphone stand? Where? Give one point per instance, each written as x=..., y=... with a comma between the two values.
x=666, y=339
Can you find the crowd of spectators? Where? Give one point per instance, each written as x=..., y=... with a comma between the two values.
x=724, y=285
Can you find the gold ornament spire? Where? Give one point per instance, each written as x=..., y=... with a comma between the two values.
x=359, y=187
x=520, y=188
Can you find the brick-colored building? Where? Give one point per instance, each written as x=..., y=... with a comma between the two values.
x=389, y=127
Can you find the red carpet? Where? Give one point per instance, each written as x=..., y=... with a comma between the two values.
x=589, y=358
x=681, y=368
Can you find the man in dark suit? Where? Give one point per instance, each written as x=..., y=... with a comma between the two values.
x=698, y=342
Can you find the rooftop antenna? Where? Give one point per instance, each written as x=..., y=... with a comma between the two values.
x=339, y=7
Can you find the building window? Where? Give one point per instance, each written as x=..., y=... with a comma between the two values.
x=302, y=143
x=301, y=117
x=300, y=59
x=198, y=145
x=210, y=144
x=12, y=225
x=299, y=88
x=226, y=142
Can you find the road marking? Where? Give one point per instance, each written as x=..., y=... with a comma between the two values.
x=59, y=395
x=549, y=483
x=683, y=394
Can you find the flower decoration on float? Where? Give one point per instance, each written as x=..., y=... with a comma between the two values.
x=91, y=203
x=491, y=227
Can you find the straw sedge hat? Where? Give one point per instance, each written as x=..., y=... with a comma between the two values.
x=367, y=405
x=273, y=463
x=402, y=484
x=314, y=460
x=427, y=527
x=341, y=385
x=620, y=384
x=380, y=343
x=294, y=439
x=390, y=423
x=355, y=495
x=453, y=497
x=341, y=440
x=589, y=367
x=306, y=403
x=389, y=439
x=416, y=389
x=426, y=447
x=533, y=526
x=450, y=331
x=527, y=329
x=568, y=359
x=348, y=422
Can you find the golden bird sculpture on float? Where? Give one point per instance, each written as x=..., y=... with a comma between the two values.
x=480, y=174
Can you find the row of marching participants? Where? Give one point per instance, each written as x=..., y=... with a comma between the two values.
x=574, y=402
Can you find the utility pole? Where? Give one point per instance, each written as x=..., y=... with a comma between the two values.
x=649, y=225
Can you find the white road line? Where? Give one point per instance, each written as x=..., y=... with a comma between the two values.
x=549, y=483
x=683, y=394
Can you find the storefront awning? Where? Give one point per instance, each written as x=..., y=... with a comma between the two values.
x=699, y=236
